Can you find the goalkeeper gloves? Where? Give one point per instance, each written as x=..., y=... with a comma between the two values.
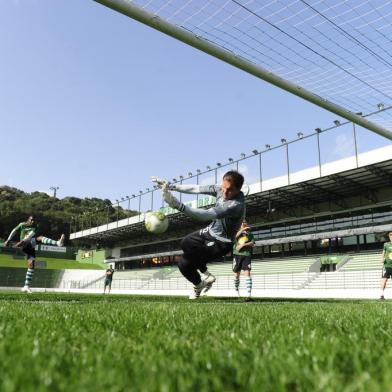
x=159, y=181
x=171, y=200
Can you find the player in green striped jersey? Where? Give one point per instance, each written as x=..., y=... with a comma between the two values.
x=386, y=259
x=242, y=252
x=28, y=239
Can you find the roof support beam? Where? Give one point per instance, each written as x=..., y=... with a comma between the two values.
x=365, y=191
x=334, y=197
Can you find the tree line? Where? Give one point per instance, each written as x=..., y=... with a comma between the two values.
x=55, y=216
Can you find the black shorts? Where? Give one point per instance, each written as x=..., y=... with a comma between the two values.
x=29, y=250
x=108, y=282
x=387, y=273
x=200, y=247
x=243, y=263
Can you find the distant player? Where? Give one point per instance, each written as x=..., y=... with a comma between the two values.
x=386, y=259
x=108, y=279
x=242, y=252
x=215, y=240
x=28, y=239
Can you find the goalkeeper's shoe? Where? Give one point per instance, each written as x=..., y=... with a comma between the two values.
x=197, y=289
x=26, y=289
x=209, y=279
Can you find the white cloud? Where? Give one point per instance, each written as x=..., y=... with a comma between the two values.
x=250, y=178
x=344, y=146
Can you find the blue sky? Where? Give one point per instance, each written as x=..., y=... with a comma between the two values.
x=96, y=103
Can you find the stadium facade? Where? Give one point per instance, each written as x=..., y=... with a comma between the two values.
x=336, y=207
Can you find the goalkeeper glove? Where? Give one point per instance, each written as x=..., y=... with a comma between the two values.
x=170, y=199
x=159, y=181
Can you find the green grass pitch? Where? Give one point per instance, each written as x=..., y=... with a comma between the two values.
x=51, y=263
x=65, y=342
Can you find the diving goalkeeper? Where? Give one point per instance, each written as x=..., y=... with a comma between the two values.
x=215, y=240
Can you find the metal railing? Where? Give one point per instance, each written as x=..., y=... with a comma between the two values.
x=149, y=199
x=361, y=279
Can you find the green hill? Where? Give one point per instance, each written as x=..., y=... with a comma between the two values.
x=54, y=216
x=56, y=264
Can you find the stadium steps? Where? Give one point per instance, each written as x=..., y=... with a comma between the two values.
x=285, y=265
x=267, y=266
x=361, y=271
x=291, y=273
x=270, y=281
x=150, y=273
x=141, y=278
x=363, y=261
x=361, y=279
x=294, y=280
x=81, y=279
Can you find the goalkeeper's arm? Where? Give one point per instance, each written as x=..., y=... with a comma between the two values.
x=195, y=189
x=205, y=189
x=218, y=212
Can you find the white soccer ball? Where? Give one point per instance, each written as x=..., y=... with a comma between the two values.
x=156, y=222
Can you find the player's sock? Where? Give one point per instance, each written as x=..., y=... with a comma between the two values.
x=48, y=241
x=249, y=286
x=236, y=284
x=29, y=277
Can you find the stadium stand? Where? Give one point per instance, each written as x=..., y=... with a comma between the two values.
x=286, y=265
x=359, y=271
x=81, y=278
x=334, y=208
x=290, y=273
x=363, y=261
x=359, y=279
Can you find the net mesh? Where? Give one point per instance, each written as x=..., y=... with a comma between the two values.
x=340, y=50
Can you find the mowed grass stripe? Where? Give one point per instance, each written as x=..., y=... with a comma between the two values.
x=171, y=344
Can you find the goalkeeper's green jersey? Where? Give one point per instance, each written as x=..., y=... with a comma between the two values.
x=26, y=230
x=388, y=254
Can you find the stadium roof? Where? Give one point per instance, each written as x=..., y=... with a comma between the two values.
x=336, y=54
x=339, y=180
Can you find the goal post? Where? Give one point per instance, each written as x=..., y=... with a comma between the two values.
x=133, y=11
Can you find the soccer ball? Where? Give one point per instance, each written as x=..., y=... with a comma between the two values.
x=156, y=222
x=243, y=240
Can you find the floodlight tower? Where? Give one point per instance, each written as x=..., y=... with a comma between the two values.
x=54, y=189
